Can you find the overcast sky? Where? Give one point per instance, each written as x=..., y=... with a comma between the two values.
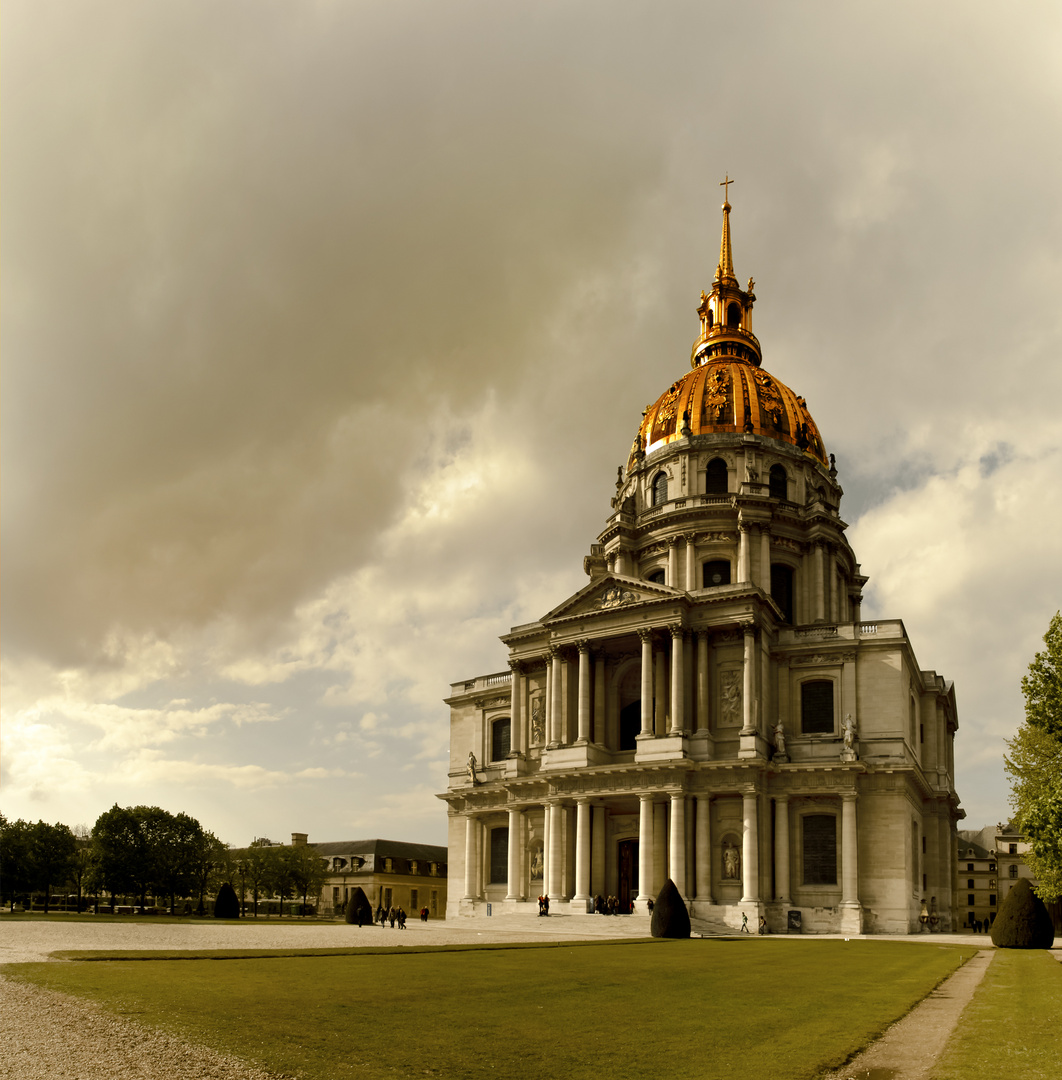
x=326, y=324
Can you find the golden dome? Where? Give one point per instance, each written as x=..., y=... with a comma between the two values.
x=730, y=395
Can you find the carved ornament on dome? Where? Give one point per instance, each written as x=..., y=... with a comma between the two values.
x=658, y=548
x=714, y=538
x=666, y=411
x=492, y=703
x=811, y=661
x=717, y=394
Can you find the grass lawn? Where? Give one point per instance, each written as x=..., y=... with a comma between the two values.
x=714, y=1010
x=1013, y=1026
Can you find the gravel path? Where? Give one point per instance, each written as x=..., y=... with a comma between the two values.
x=47, y=1035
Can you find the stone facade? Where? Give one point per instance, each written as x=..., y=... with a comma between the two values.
x=711, y=707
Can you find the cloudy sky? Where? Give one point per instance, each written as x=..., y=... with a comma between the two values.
x=326, y=324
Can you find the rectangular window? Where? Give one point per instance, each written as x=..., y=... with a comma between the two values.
x=387, y=898
x=816, y=707
x=969, y=883
x=969, y=867
x=412, y=899
x=923, y=883
x=501, y=733
x=499, y=856
x=1012, y=849
x=970, y=900
x=434, y=902
x=923, y=845
x=820, y=849
x=992, y=900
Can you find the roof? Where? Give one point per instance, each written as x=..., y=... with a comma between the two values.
x=400, y=849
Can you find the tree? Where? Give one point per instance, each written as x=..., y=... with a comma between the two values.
x=1023, y=921
x=207, y=854
x=255, y=866
x=51, y=857
x=1034, y=765
x=122, y=851
x=670, y=917
x=15, y=872
x=177, y=838
x=308, y=871
x=81, y=868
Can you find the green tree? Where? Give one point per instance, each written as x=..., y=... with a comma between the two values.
x=177, y=839
x=207, y=856
x=308, y=871
x=15, y=871
x=51, y=857
x=81, y=869
x=1034, y=765
x=255, y=865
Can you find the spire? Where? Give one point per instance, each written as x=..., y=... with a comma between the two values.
x=724, y=272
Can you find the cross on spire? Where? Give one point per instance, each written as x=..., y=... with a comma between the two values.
x=725, y=184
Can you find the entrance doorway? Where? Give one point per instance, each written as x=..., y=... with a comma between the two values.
x=628, y=874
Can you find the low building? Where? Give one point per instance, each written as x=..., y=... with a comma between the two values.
x=977, y=877
x=389, y=872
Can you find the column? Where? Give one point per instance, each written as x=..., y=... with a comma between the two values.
x=514, y=889
x=850, y=852
x=743, y=552
x=516, y=712
x=584, y=691
x=691, y=562
x=702, y=680
x=599, y=700
x=557, y=734
x=556, y=851
x=597, y=850
x=818, y=599
x=647, y=682
x=659, y=846
x=678, y=682
x=645, y=846
x=545, y=847
x=582, y=850
x=704, y=849
x=748, y=718
x=781, y=849
x=765, y=558
x=621, y=562
x=660, y=692
x=672, y=562
x=471, y=841
x=687, y=682
x=677, y=842
x=750, y=849
x=547, y=737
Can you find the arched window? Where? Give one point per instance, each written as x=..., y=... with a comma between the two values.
x=657, y=577
x=733, y=315
x=816, y=707
x=716, y=478
x=711, y=318
x=820, y=849
x=778, y=483
x=660, y=489
x=715, y=573
x=501, y=733
x=782, y=589
x=630, y=725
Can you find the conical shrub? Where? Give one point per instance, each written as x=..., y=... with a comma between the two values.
x=358, y=901
x=670, y=917
x=227, y=904
x=1023, y=921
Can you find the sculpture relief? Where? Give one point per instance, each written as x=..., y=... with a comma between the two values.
x=730, y=693
x=614, y=596
x=538, y=720
x=731, y=861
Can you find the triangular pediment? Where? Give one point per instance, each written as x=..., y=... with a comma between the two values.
x=610, y=593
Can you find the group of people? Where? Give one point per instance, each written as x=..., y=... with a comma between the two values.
x=609, y=905
x=981, y=926
x=392, y=915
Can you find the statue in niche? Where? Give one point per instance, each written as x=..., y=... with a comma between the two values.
x=779, y=739
x=849, y=732
x=731, y=695
x=472, y=767
x=538, y=721
x=731, y=861
x=537, y=865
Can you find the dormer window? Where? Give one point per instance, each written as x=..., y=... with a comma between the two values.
x=656, y=577
x=414, y=867
x=716, y=573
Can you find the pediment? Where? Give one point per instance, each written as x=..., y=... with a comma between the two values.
x=610, y=593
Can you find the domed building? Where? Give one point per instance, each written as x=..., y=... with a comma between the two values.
x=710, y=707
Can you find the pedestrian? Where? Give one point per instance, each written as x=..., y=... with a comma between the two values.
x=763, y=925
x=745, y=924
x=391, y=916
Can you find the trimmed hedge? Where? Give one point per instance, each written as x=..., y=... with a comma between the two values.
x=670, y=917
x=358, y=902
x=1023, y=921
x=227, y=904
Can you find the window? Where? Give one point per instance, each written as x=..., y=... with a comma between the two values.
x=414, y=867
x=733, y=315
x=969, y=883
x=500, y=738
x=921, y=733
x=389, y=865
x=992, y=900
x=992, y=883
x=816, y=707
x=923, y=845
x=716, y=478
x=782, y=589
x=656, y=577
x=820, y=849
x=778, y=483
x=413, y=896
x=660, y=489
x=716, y=572
x=969, y=867
x=1013, y=871
x=1012, y=849
x=970, y=900
x=499, y=855
x=991, y=867
x=923, y=883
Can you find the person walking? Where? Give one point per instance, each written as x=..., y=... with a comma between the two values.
x=745, y=924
